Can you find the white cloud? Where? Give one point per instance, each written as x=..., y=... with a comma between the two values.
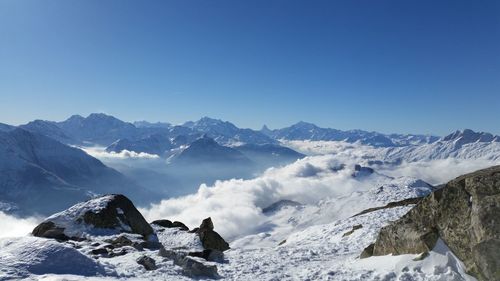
x=235, y=205
x=11, y=226
x=101, y=153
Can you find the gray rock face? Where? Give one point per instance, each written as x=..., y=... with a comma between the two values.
x=147, y=262
x=191, y=266
x=114, y=213
x=169, y=224
x=209, y=255
x=209, y=238
x=465, y=214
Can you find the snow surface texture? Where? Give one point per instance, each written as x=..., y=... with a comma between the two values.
x=26, y=256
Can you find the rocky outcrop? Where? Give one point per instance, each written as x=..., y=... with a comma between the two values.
x=401, y=203
x=169, y=224
x=190, y=265
x=209, y=238
x=209, y=255
x=465, y=214
x=109, y=214
x=147, y=262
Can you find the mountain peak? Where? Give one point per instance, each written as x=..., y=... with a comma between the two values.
x=265, y=130
x=302, y=124
x=470, y=136
x=100, y=116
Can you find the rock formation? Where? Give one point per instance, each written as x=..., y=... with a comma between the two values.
x=465, y=214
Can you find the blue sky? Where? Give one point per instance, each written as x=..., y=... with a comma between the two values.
x=390, y=66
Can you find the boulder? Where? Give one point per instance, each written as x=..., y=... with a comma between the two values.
x=147, y=262
x=465, y=214
x=163, y=223
x=209, y=255
x=180, y=225
x=105, y=215
x=209, y=238
x=191, y=266
x=169, y=224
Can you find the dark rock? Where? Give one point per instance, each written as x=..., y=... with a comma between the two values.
x=169, y=224
x=276, y=206
x=361, y=171
x=163, y=223
x=115, y=212
x=367, y=252
x=356, y=227
x=111, y=217
x=194, y=230
x=50, y=230
x=209, y=238
x=147, y=262
x=404, y=202
x=282, y=242
x=209, y=255
x=117, y=253
x=120, y=241
x=99, y=251
x=180, y=225
x=190, y=266
x=207, y=224
x=465, y=214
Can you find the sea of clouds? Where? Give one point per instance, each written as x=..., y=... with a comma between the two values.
x=236, y=205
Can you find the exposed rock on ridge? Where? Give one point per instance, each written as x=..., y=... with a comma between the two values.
x=465, y=214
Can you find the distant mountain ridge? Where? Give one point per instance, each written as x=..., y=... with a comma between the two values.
x=102, y=129
x=308, y=131
x=462, y=144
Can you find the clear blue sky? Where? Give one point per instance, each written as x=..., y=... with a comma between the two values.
x=391, y=66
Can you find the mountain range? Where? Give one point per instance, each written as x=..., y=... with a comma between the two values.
x=43, y=159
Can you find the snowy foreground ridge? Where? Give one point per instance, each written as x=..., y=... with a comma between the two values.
x=316, y=240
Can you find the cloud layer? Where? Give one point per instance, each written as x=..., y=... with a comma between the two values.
x=11, y=226
x=235, y=205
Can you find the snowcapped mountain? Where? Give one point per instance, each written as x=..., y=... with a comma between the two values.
x=42, y=175
x=227, y=133
x=146, y=124
x=463, y=144
x=308, y=131
x=154, y=144
x=98, y=128
x=206, y=150
x=269, y=155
